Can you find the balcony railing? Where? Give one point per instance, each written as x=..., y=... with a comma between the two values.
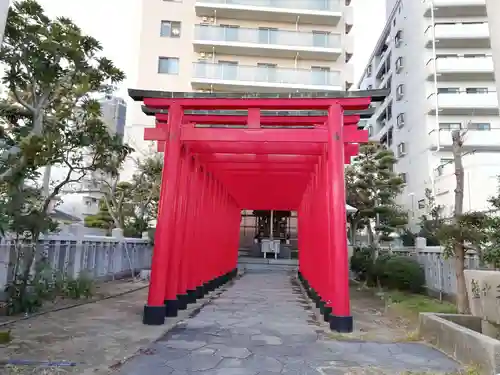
x=265, y=74
x=461, y=64
x=267, y=37
x=314, y=5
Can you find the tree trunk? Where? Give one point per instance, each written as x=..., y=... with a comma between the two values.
x=459, y=247
x=462, y=299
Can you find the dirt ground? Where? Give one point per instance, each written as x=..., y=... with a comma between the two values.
x=101, y=334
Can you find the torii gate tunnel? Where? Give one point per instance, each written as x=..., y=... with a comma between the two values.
x=217, y=164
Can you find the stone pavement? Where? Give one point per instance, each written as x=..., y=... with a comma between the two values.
x=259, y=327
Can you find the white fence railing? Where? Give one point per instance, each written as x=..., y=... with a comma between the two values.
x=439, y=271
x=72, y=252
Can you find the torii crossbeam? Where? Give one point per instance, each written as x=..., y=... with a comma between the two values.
x=224, y=154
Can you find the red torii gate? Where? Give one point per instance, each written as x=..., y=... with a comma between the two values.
x=262, y=162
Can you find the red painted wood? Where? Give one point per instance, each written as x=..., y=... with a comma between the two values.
x=354, y=104
x=211, y=174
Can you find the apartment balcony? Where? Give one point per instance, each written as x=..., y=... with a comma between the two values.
x=456, y=8
x=226, y=77
x=265, y=42
x=464, y=104
x=459, y=35
x=314, y=12
x=473, y=139
x=458, y=69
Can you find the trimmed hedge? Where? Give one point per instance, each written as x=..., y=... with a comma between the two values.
x=392, y=271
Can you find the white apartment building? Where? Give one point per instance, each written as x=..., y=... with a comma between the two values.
x=4, y=10
x=435, y=58
x=114, y=115
x=493, y=9
x=242, y=46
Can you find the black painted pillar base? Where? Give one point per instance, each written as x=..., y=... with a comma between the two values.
x=200, y=292
x=153, y=315
x=171, y=308
x=206, y=288
x=342, y=324
x=191, y=296
x=182, y=301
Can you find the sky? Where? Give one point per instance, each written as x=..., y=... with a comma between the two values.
x=116, y=24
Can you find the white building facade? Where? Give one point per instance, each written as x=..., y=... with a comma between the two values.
x=242, y=46
x=4, y=11
x=114, y=115
x=435, y=58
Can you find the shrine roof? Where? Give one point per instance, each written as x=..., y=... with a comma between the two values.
x=375, y=95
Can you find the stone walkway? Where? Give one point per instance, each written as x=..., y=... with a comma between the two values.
x=258, y=327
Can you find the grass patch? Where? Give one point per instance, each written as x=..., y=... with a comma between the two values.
x=414, y=304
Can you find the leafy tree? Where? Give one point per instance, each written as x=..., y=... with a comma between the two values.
x=372, y=188
x=53, y=73
x=430, y=224
x=130, y=206
x=465, y=231
x=101, y=220
x=490, y=251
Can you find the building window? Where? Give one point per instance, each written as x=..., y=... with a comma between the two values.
x=168, y=65
x=370, y=131
x=403, y=177
x=170, y=29
x=450, y=126
x=369, y=71
x=400, y=120
x=476, y=90
x=482, y=126
x=400, y=91
x=398, y=38
x=399, y=64
x=401, y=149
x=321, y=38
x=448, y=90
x=444, y=161
x=421, y=204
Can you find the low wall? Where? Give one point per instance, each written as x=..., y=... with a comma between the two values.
x=460, y=337
x=101, y=257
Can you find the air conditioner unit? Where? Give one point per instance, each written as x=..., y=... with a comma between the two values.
x=204, y=19
x=203, y=55
x=212, y=20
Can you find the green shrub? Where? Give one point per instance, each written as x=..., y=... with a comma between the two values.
x=362, y=262
x=391, y=271
x=401, y=273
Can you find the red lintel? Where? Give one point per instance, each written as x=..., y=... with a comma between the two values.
x=355, y=104
x=252, y=158
x=319, y=135
x=264, y=120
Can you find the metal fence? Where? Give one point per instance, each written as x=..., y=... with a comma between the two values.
x=440, y=275
x=70, y=253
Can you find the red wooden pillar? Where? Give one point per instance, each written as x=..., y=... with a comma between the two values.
x=185, y=235
x=193, y=233
x=172, y=301
x=324, y=229
x=340, y=319
x=201, y=236
x=154, y=310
